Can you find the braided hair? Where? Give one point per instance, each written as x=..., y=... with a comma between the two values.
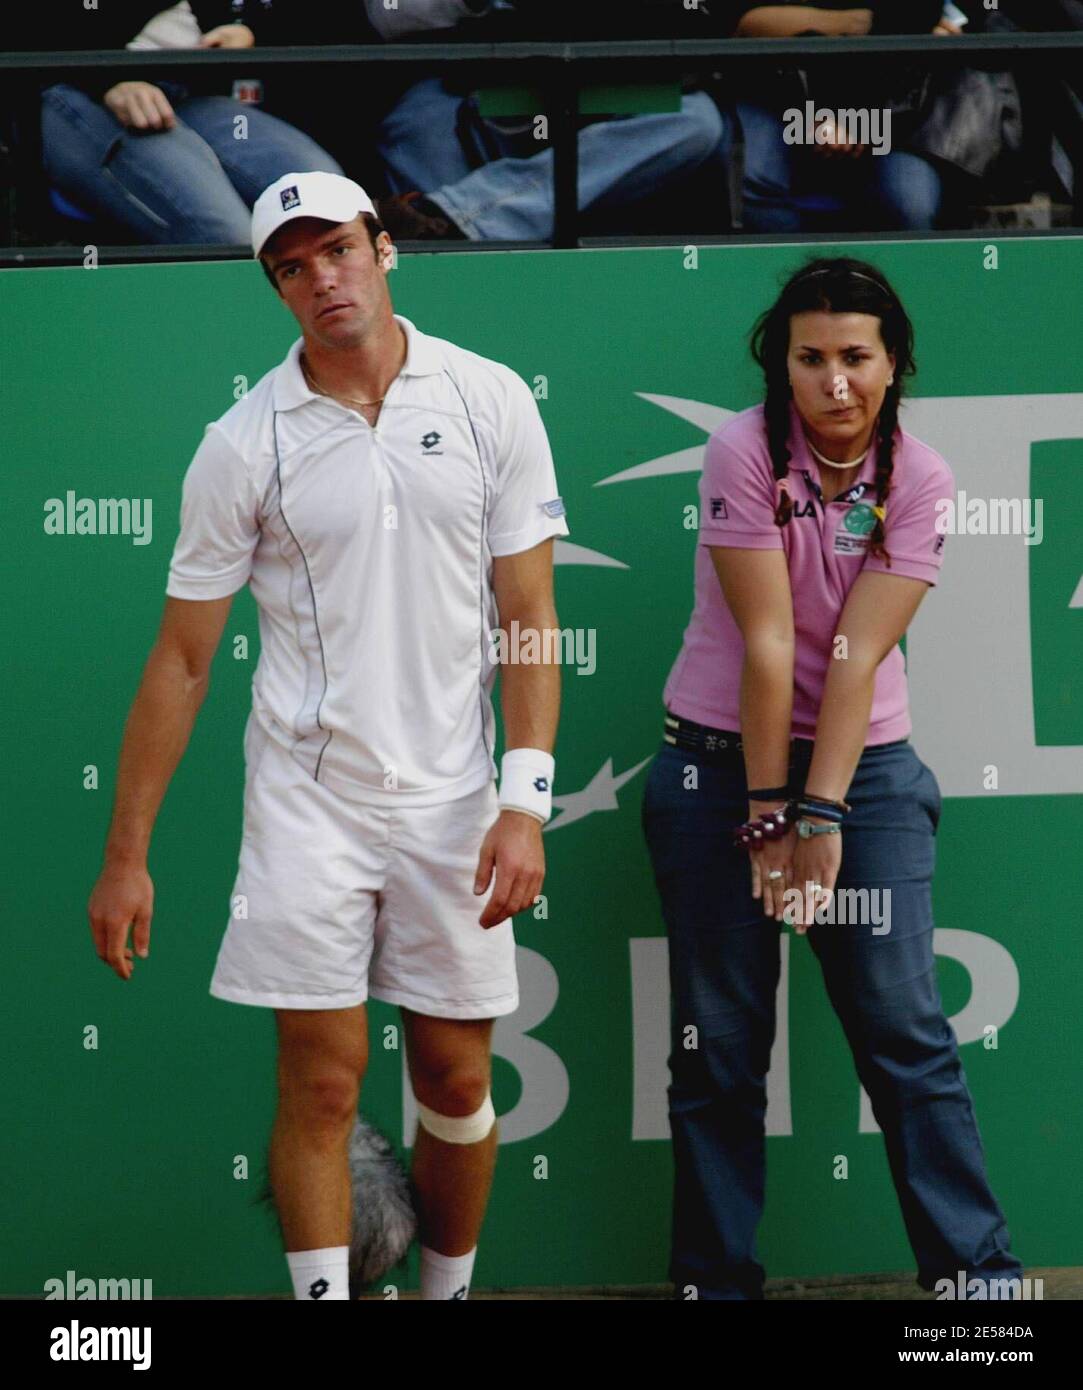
x=839, y=285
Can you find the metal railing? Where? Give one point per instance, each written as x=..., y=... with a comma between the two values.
x=560, y=71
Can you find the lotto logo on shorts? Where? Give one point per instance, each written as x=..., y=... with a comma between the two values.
x=718, y=509
x=290, y=198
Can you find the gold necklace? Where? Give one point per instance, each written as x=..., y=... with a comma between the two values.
x=308, y=373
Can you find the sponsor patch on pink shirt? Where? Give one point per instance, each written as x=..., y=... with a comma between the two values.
x=826, y=549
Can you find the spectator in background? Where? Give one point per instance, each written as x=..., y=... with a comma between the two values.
x=453, y=174
x=152, y=156
x=783, y=183
x=163, y=160
x=510, y=196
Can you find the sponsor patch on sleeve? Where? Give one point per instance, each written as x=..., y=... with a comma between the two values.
x=554, y=508
x=718, y=509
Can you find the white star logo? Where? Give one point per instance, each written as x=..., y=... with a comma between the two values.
x=600, y=794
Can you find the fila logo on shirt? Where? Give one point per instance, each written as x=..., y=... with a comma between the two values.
x=429, y=442
x=718, y=509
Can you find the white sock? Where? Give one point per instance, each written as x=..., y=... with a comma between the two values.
x=320, y=1274
x=446, y=1276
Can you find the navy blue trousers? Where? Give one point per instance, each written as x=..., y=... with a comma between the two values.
x=724, y=969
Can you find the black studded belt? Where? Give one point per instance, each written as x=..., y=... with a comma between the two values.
x=721, y=744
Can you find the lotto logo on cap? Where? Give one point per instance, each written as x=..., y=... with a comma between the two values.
x=290, y=198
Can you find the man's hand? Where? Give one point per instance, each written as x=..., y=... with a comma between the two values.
x=140, y=106
x=945, y=26
x=514, y=847
x=122, y=895
x=228, y=36
x=830, y=144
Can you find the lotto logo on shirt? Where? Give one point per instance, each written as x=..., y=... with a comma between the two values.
x=718, y=509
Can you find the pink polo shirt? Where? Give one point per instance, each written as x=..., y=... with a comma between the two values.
x=826, y=549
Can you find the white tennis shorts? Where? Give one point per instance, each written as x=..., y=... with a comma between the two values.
x=335, y=901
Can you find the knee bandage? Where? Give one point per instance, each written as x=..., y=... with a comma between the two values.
x=459, y=1129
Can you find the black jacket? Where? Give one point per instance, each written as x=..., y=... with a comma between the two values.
x=959, y=116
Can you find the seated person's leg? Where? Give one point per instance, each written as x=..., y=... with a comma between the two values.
x=904, y=192
x=620, y=160
x=417, y=140
x=767, y=187
x=270, y=148
x=166, y=186
x=634, y=156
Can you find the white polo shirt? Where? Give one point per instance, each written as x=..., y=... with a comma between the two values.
x=369, y=554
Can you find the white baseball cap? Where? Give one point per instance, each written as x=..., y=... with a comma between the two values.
x=316, y=194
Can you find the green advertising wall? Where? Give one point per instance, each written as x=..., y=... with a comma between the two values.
x=120, y=1158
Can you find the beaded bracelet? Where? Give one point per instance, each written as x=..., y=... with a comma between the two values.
x=754, y=834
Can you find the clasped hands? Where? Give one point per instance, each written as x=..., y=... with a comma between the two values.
x=802, y=864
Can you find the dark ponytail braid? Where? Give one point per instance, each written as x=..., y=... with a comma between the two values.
x=885, y=465
x=777, y=417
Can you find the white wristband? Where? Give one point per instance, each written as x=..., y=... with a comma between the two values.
x=526, y=782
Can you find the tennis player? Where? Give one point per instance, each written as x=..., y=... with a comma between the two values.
x=788, y=702
x=390, y=498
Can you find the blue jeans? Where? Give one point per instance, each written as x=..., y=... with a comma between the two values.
x=724, y=970
x=195, y=183
x=511, y=199
x=787, y=188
